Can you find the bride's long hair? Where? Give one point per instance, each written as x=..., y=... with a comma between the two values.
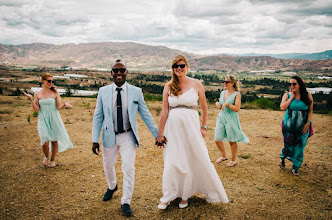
x=175, y=84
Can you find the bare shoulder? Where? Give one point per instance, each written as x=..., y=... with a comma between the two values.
x=198, y=84
x=37, y=94
x=238, y=95
x=168, y=85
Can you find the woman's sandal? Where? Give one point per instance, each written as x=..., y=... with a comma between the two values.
x=231, y=164
x=221, y=159
x=52, y=164
x=45, y=162
x=295, y=173
x=282, y=164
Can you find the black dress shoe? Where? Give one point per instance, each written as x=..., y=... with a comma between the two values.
x=109, y=193
x=126, y=210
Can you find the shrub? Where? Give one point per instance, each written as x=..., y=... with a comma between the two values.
x=265, y=103
x=150, y=97
x=34, y=114
x=158, y=110
x=7, y=111
x=16, y=92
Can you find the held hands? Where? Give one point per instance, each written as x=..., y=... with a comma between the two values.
x=161, y=141
x=95, y=148
x=225, y=105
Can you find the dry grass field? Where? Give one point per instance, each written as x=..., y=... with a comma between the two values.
x=256, y=187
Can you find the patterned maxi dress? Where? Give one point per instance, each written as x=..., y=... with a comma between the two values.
x=295, y=118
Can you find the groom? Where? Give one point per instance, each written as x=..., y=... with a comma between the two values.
x=116, y=111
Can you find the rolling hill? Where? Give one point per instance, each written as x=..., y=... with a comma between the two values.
x=141, y=57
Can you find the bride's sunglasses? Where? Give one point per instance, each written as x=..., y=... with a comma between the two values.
x=292, y=84
x=175, y=66
x=122, y=70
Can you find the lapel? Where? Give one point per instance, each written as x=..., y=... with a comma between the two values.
x=129, y=97
x=109, y=97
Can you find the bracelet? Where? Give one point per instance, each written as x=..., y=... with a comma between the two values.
x=204, y=126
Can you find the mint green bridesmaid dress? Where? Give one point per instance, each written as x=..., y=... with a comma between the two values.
x=50, y=125
x=228, y=126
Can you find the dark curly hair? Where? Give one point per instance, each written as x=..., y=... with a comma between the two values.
x=303, y=90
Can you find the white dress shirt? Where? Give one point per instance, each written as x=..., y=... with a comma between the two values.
x=123, y=92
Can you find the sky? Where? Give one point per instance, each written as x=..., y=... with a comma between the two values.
x=195, y=26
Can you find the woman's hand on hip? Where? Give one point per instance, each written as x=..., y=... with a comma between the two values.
x=305, y=128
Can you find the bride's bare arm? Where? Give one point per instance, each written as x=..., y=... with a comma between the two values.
x=204, y=107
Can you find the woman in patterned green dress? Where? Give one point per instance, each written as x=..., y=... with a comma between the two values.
x=228, y=126
x=51, y=129
x=296, y=123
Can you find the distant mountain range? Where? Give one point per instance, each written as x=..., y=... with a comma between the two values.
x=146, y=58
x=326, y=55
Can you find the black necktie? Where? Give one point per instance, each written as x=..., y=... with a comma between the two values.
x=119, y=110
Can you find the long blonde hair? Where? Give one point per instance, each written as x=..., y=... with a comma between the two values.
x=45, y=76
x=174, y=86
x=234, y=80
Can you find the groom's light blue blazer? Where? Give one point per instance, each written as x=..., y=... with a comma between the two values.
x=103, y=116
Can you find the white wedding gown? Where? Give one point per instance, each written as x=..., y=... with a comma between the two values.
x=187, y=165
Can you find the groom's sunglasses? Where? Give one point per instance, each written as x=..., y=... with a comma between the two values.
x=50, y=81
x=175, y=66
x=122, y=70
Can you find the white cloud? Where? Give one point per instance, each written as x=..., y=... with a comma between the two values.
x=209, y=26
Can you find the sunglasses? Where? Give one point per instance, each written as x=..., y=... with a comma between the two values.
x=50, y=81
x=175, y=66
x=292, y=84
x=226, y=82
x=122, y=70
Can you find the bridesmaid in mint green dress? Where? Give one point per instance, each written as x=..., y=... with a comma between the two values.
x=296, y=123
x=51, y=129
x=228, y=126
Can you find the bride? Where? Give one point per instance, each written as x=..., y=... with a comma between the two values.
x=187, y=165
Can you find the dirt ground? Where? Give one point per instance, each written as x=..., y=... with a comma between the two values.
x=256, y=187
